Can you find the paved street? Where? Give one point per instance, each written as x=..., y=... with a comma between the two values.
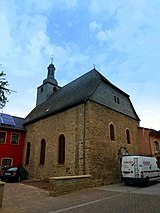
x=116, y=198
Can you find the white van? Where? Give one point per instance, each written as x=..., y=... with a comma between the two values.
x=138, y=168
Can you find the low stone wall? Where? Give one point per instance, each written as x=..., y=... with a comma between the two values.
x=1, y=192
x=67, y=184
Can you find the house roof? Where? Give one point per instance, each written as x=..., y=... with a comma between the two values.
x=87, y=87
x=12, y=122
x=19, y=123
x=152, y=132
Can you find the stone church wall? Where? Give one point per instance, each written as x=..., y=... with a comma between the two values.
x=105, y=154
x=70, y=123
x=86, y=131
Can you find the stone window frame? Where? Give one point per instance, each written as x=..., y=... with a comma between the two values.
x=42, y=152
x=28, y=151
x=112, y=135
x=5, y=137
x=61, y=149
x=11, y=140
x=6, y=158
x=128, y=136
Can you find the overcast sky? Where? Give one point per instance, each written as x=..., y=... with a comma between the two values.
x=121, y=37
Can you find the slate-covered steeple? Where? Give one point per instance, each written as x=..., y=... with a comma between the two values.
x=50, y=77
x=49, y=86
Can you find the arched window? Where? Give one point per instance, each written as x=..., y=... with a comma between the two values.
x=112, y=132
x=61, y=150
x=43, y=150
x=128, y=136
x=28, y=153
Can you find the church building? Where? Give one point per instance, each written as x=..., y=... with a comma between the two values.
x=81, y=128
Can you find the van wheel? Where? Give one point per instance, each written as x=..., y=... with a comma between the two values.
x=146, y=181
x=126, y=183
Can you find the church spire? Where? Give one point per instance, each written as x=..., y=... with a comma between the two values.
x=51, y=73
x=51, y=69
x=49, y=86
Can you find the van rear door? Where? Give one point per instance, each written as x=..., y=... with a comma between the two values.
x=127, y=168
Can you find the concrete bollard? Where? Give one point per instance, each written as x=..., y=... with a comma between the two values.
x=1, y=192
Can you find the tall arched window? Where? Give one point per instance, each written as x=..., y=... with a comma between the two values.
x=61, y=150
x=128, y=136
x=112, y=132
x=28, y=153
x=43, y=152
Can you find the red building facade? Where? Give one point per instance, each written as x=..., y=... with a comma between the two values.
x=12, y=136
x=149, y=141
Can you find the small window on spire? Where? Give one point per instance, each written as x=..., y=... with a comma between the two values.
x=54, y=89
x=41, y=89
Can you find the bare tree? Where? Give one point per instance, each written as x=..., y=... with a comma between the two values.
x=3, y=90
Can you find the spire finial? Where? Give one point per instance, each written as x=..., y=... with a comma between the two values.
x=52, y=59
x=94, y=66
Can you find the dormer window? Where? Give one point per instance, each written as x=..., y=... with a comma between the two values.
x=116, y=99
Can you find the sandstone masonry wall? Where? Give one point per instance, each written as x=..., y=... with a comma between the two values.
x=88, y=148
x=105, y=154
x=69, y=123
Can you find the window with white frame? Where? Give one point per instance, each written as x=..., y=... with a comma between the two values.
x=2, y=137
x=15, y=138
x=6, y=162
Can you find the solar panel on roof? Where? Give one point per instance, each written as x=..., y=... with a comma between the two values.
x=1, y=119
x=7, y=120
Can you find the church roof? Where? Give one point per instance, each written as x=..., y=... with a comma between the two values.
x=90, y=86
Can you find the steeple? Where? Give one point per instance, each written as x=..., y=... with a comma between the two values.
x=49, y=86
x=50, y=76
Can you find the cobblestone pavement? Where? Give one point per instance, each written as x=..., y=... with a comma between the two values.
x=116, y=198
